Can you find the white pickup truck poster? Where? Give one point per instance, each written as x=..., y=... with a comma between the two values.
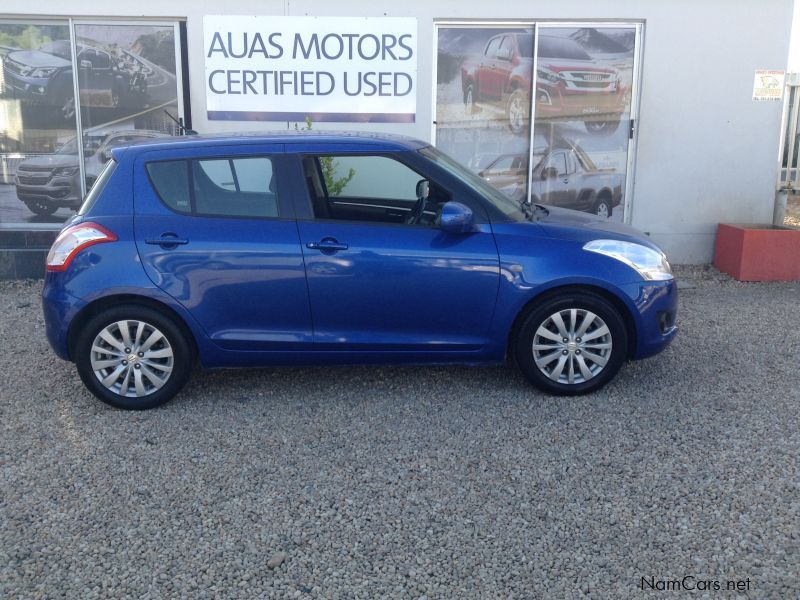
x=264, y=68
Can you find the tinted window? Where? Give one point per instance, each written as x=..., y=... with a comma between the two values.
x=234, y=187
x=553, y=47
x=237, y=187
x=525, y=45
x=171, y=180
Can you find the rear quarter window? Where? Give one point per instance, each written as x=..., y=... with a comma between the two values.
x=170, y=178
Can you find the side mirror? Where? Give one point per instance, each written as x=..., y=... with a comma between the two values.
x=549, y=173
x=456, y=218
x=423, y=188
x=503, y=54
x=86, y=64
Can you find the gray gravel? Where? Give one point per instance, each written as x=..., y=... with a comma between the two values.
x=439, y=482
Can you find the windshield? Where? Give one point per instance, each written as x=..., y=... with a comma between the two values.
x=500, y=201
x=90, y=145
x=525, y=45
x=60, y=48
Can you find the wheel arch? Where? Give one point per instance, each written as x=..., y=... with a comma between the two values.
x=612, y=298
x=105, y=302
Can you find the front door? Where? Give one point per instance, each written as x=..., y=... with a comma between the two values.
x=216, y=232
x=381, y=279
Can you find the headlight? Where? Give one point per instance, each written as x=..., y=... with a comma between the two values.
x=650, y=264
x=43, y=72
x=65, y=171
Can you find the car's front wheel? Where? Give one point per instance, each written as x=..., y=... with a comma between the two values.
x=469, y=100
x=573, y=343
x=133, y=357
x=518, y=107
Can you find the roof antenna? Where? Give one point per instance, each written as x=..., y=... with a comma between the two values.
x=179, y=123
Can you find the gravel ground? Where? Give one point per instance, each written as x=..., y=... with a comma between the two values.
x=792, y=217
x=413, y=482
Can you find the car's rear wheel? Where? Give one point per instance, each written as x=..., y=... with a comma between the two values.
x=602, y=208
x=41, y=207
x=573, y=343
x=133, y=357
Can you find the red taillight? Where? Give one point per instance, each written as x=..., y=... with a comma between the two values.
x=74, y=239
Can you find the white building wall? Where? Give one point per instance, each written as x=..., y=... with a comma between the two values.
x=707, y=153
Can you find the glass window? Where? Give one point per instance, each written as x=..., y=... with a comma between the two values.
x=39, y=170
x=171, y=180
x=493, y=45
x=235, y=187
x=127, y=83
x=558, y=161
x=479, y=118
x=376, y=177
x=127, y=80
x=370, y=188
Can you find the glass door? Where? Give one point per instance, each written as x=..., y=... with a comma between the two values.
x=577, y=83
x=583, y=116
x=128, y=86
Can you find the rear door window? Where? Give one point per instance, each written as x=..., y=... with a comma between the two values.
x=233, y=187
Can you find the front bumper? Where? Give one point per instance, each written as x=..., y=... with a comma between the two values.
x=59, y=190
x=656, y=305
x=26, y=88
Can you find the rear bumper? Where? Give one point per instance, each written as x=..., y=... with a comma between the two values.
x=656, y=305
x=59, y=309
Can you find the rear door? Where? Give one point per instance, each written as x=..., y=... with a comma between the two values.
x=216, y=231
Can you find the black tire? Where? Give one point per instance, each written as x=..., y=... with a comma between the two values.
x=41, y=207
x=602, y=208
x=182, y=356
x=523, y=349
x=602, y=127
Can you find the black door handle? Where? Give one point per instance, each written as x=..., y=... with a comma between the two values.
x=328, y=245
x=167, y=240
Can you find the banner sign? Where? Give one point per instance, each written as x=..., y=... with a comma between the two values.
x=263, y=68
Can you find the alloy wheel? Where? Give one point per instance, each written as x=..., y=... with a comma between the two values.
x=132, y=358
x=572, y=346
x=602, y=210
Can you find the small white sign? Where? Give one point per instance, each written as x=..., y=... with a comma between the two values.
x=768, y=85
x=263, y=68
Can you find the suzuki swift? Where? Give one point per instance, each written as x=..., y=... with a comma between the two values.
x=322, y=248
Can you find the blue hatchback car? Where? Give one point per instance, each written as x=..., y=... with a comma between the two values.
x=322, y=248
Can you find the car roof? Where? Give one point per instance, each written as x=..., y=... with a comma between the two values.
x=385, y=142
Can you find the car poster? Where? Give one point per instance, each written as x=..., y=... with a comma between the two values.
x=577, y=153
x=126, y=79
